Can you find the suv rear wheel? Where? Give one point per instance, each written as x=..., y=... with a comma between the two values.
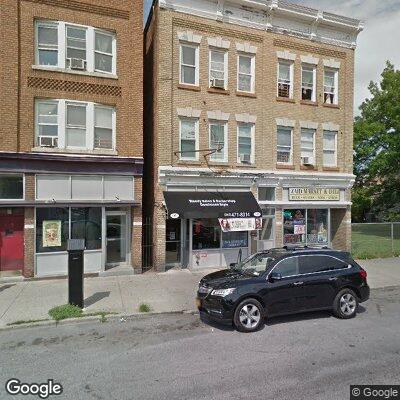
x=249, y=315
x=345, y=304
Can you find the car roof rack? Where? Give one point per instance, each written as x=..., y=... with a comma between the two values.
x=305, y=247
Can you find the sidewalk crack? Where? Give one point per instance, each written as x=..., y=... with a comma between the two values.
x=24, y=285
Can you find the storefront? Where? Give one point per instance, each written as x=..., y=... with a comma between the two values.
x=307, y=216
x=70, y=215
x=105, y=230
x=209, y=229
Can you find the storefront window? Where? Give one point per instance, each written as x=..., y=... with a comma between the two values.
x=54, y=226
x=52, y=229
x=231, y=240
x=86, y=224
x=317, y=226
x=306, y=226
x=206, y=234
x=11, y=187
x=294, y=226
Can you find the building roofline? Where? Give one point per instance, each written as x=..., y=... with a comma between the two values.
x=279, y=16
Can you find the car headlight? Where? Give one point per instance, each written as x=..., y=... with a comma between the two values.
x=222, y=292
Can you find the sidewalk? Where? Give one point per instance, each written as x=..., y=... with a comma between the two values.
x=170, y=291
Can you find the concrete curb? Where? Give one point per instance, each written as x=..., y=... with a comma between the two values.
x=109, y=318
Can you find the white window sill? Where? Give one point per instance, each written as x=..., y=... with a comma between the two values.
x=75, y=151
x=74, y=72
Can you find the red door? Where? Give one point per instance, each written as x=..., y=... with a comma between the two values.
x=11, y=242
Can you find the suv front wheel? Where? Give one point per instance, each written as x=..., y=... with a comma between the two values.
x=249, y=315
x=345, y=304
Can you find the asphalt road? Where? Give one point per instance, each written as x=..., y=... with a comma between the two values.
x=311, y=356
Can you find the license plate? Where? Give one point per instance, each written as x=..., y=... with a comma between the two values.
x=198, y=303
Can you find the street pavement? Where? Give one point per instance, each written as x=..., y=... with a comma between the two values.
x=177, y=356
x=163, y=292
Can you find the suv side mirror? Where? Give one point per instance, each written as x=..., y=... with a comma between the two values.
x=275, y=276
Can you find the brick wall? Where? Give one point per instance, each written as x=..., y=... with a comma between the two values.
x=21, y=83
x=162, y=46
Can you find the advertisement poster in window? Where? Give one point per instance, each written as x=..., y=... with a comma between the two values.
x=240, y=224
x=51, y=233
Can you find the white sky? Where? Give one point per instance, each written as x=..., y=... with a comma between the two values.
x=376, y=44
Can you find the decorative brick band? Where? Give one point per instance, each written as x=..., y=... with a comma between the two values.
x=183, y=23
x=81, y=6
x=308, y=48
x=71, y=86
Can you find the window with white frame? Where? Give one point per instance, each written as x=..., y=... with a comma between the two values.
x=75, y=47
x=307, y=146
x=74, y=125
x=245, y=143
x=47, y=44
x=308, y=82
x=246, y=73
x=189, y=138
x=218, y=141
x=189, y=64
x=218, y=69
x=331, y=86
x=285, y=79
x=330, y=149
x=284, y=145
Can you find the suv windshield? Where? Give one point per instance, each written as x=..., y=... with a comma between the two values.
x=255, y=264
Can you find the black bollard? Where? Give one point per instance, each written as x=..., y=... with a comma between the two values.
x=75, y=271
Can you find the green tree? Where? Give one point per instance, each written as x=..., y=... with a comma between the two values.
x=377, y=150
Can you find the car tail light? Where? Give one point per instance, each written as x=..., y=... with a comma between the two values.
x=363, y=273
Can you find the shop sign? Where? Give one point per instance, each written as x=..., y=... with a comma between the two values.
x=314, y=194
x=240, y=224
x=51, y=233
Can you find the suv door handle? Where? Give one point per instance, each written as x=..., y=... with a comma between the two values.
x=333, y=278
x=297, y=283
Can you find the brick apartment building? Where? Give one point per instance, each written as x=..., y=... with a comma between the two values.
x=246, y=100
x=71, y=153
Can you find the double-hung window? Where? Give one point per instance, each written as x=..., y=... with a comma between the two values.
x=285, y=79
x=47, y=123
x=330, y=86
x=76, y=43
x=307, y=146
x=189, y=64
x=246, y=143
x=308, y=82
x=218, y=141
x=189, y=138
x=284, y=145
x=75, y=130
x=66, y=124
x=330, y=149
x=218, y=69
x=75, y=48
x=103, y=51
x=47, y=44
x=246, y=73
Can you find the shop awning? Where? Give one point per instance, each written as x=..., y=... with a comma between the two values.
x=211, y=205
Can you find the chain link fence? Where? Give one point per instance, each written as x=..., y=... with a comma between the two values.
x=376, y=240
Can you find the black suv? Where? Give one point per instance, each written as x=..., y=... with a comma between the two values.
x=283, y=281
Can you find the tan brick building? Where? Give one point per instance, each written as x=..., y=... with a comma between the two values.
x=71, y=150
x=244, y=96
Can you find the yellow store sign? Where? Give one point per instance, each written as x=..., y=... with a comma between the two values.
x=314, y=194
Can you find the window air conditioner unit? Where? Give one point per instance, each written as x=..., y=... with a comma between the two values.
x=77, y=63
x=307, y=160
x=245, y=158
x=48, y=141
x=218, y=83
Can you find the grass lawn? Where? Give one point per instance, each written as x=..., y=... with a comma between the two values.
x=374, y=241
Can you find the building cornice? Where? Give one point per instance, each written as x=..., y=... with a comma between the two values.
x=277, y=16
